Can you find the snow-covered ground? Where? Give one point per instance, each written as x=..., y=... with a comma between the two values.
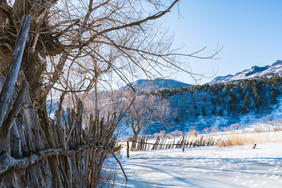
x=209, y=166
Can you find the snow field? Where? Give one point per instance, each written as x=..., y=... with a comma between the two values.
x=209, y=166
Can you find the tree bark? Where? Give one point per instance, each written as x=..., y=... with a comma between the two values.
x=134, y=141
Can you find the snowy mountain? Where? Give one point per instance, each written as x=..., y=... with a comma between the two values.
x=157, y=83
x=254, y=72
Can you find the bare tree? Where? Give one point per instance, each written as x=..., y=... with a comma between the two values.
x=145, y=110
x=65, y=33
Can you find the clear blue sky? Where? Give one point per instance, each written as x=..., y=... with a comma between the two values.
x=250, y=32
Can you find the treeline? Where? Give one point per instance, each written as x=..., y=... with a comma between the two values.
x=275, y=80
x=231, y=100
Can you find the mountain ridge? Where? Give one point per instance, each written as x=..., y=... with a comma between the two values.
x=253, y=72
x=158, y=83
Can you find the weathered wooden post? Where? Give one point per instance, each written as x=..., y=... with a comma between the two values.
x=11, y=79
x=7, y=118
x=127, y=143
x=183, y=142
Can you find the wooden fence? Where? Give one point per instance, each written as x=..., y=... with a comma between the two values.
x=164, y=143
x=36, y=151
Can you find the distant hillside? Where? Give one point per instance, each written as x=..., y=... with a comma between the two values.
x=254, y=72
x=222, y=104
x=250, y=96
x=158, y=83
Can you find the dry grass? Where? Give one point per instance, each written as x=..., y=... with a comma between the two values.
x=267, y=132
x=235, y=138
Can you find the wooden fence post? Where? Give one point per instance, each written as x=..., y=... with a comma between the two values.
x=183, y=142
x=11, y=79
x=127, y=149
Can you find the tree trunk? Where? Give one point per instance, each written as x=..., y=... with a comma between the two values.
x=134, y=142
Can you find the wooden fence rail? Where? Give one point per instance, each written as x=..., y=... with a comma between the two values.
x=163, y=143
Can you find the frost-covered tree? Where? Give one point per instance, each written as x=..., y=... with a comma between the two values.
x=144, y=110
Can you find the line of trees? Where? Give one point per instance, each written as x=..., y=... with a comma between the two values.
x=227, y=100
